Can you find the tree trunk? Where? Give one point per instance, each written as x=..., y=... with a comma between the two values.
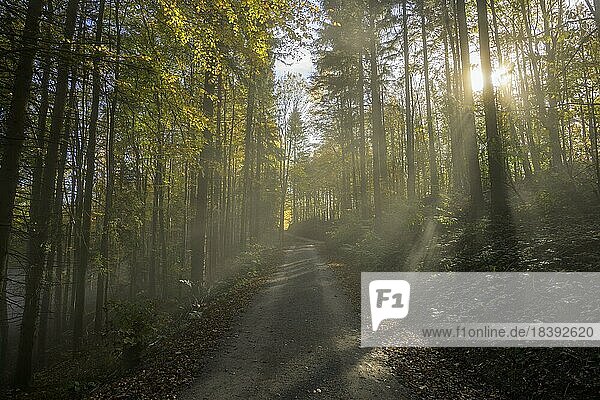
x=593, y=129
x=199, y=226
x=362, y=151
x=247, y=167
x=379, y=159
x=15, y=131
x=58, y=221
x=36, y=191
x=230, y=184
x=470, y=134
x=157, y=188
x=84, y=257
x=410, y=132
x=496, y=161
x=433, y=173
x=3, y=328
x=110, y=182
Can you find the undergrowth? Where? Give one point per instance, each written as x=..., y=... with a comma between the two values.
x=554, y=226
x=152, y=349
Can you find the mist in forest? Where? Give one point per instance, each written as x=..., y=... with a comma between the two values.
x=175, y=174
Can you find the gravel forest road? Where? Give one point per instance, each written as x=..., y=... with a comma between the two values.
x=299, y=339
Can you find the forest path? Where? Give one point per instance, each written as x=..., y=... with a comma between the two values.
x=298, y=340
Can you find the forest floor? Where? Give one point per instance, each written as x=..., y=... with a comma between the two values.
x=299, y=339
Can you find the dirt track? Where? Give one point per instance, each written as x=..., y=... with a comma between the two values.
x=299, y=339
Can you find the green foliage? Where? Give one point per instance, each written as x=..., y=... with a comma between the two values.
x=347, y=232
x=257, y=256
x=313, y=228
x=133, y=325
x=403, y=220
x=77, y=389
x=556, y=193
x=371, y=252
x=357, y=242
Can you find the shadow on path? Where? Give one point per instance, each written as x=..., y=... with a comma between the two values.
x=299, y=339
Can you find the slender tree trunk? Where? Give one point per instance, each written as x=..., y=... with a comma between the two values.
x=157, y=226
x=285, y=166
x=410, y=132
x=256, y=215
x=162, y=234
x=199, y=227
x=45, y=310
x=468, y=125
x=224, y=234
x=215, y=192
x=154, y=255
x=379, y=161
x=104, y=241
x=364, y=202
x=139, y=250
x=593, y=129
x=110, y=183
x=247, y=167
x=433, y=172
x=84, y=257
x=74, y=227
x=58, y=221
x=36, y=188
x=496, y=161
x=15, y=128
x=229, y=209
x=3, y=328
